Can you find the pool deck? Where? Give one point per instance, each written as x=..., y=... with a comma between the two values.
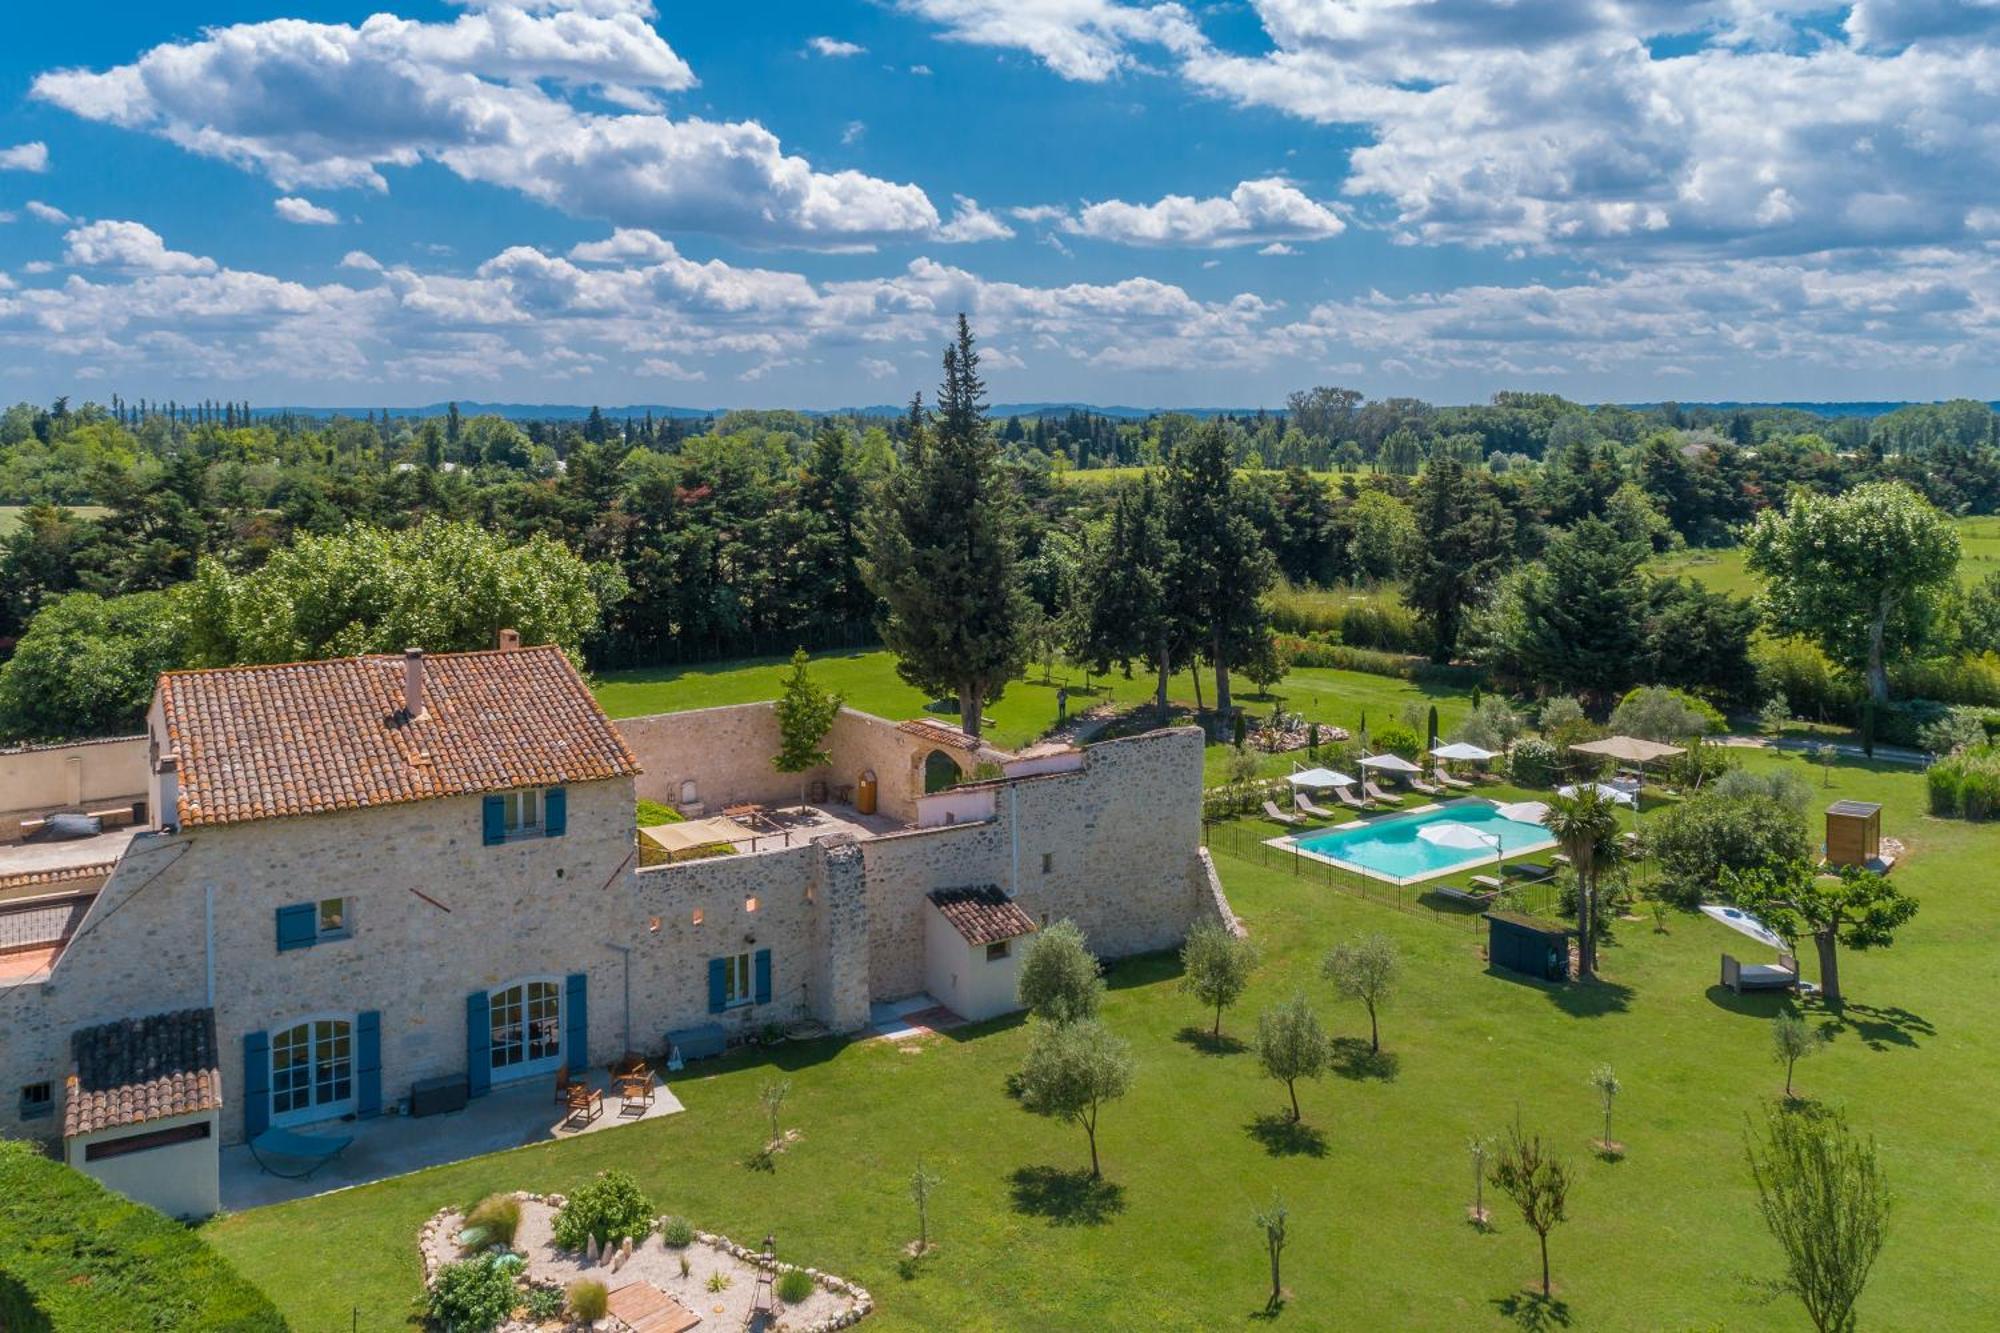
x=1289, y=842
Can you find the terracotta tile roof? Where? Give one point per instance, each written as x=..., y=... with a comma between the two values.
x=983, y=915
x=59, y=875
x=141, y=1069
x=939, y=733
x=308, y=737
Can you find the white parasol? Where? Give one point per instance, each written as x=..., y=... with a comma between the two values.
x=1390, y=763
x=1316, y=779
x=1525, y=812
x=1743, y=923
x=1605, y=791
x=1461, y=752
x=1458, y=835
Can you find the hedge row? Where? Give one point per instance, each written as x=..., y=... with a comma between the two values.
x=75, y=1256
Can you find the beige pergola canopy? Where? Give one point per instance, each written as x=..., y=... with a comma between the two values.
x=676, y=840
x=1629, y=749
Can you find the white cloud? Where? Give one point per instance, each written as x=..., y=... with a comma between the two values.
x=624, y=245
x=304, y=211
x=660, y=367
x=1090, y=40
x=850, y=134
x=132, y=246
x=25, y=157
x=491, y=96
x=362, y=260
x=1039, y=213
x=1255, y=211
x=973, y=223
x=47, y=213
x=921, y=71
x=876, y=368
x=833, y=48
x=1277, y=248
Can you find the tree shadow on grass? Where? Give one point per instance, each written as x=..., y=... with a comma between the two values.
x=1591, y=999
x=1533, y=1311
x=1066, y=1198
x=1352, y=1059
x=1878, y=1028
x=1283, y=1136
x=1210, y=1043
x=1756, y=1004
x=1269, y=1310
x=1146, y=969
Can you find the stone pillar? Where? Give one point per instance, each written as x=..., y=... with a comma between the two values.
x=841, y=1001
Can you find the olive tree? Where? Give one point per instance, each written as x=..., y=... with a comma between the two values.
x=1364, y=969
x=1824, y=1198
x=1856, y=907
x=1291, y=1045
x=1072, y=1070
x=1060, y=980
x=1538, y=1182
x=1216, y=964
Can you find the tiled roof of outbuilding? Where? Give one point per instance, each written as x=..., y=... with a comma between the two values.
x=939, y=733
x=141, y=1069
x=56, y=876
x=307, y=737
x=983, y=915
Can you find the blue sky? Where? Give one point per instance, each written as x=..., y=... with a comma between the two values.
x=1147, y=203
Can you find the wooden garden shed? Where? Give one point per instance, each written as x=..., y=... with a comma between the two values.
x=1853, y=833
x=1528, y=945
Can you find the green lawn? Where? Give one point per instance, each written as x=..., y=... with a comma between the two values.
x=1979, y=542
x=10, y=515
x=1666, y=1239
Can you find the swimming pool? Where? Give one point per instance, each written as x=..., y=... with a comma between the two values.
x=1397, y=848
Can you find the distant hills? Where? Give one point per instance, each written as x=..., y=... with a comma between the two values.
x=574, y=412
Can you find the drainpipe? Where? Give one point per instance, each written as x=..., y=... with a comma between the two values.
x=626, y=952
x=1014, y=836
x=208, y=934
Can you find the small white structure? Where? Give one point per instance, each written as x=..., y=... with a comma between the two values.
x=973, y=940
x=141, y=1110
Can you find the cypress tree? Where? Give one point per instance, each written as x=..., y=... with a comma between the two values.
x=944, y=550
x=1221, y=570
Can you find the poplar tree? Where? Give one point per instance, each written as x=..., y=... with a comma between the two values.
x=1463, y=541
x=944, y=550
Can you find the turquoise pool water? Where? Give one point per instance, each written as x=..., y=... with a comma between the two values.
x=1395, y=848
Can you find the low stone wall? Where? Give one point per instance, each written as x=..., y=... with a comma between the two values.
x=94, y=774
x=1213, y=902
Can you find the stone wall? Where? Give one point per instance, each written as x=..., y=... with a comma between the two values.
x=36, y=779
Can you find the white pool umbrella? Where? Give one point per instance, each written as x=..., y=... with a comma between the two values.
x=1458, y=835
x=1459, y=751
x=1525, y=812
x=1317, y=779
x=1743, y=923
x=1390, y=763
x=1604, y=790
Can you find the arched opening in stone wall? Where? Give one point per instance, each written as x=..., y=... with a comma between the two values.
x=940, y=771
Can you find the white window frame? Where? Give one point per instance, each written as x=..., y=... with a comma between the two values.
x=739, y=980
x=320, y=1078
x=540, y=1025
x=523, y=813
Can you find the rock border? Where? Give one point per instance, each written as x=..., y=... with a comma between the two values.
x=864, y=1303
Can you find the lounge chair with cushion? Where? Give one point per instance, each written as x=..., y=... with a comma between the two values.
x=1460, y=783
x=1418, y=784
x=1271, y=811
x=1350, y=800
x=1740, y=977
x=1306, y=806
x=318, y=1149
x=1474, y=898
x=1375, y=793
x=1488, y=883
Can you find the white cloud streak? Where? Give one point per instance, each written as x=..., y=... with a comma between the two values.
x=305, y=212
x=25, y=157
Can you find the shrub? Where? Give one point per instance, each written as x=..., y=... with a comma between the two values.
x=1399, y=740
x=610, y=1207
x=588, y=1300
x=1808, y=679
x=1959, y=729
x=1711, y=831
x=794, y=1285
x=1532, y=763
x=492, y=1221
x=1966, y=784
x=1903, y=722
x=470, y=1296
x=1661, y=714
x=1969, y=678
x=1787, y=786
x=1492, y=726
x=543, y=1304
x=73, y=1255
x=676, y=1232
x=1559, y=712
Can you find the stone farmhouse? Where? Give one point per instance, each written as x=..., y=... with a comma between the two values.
x=348, y=878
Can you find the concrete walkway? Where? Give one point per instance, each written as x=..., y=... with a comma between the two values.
x=1887, y=754
x=394, y=1145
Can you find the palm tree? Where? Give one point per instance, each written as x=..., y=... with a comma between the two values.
x=1587, y=827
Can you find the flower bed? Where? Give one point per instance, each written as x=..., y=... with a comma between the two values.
x=719, y=1284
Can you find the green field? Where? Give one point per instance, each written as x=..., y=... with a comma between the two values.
x=10, y=515
x=1979, y=540
x=1668, y=1238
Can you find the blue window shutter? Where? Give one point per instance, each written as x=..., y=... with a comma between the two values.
x=478, y=1045
x=718, y=985
x=368, y=1063
x=763, y=965
x=576, y=1018
x=494, y=813
x=555, y=812
x=298, y=926
x=256, y=1083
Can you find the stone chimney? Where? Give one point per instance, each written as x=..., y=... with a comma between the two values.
x=167, y=792
x=510, y=639
x=413, y=682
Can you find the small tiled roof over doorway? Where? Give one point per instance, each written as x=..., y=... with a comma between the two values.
x=141, y=1069
x=983, y=915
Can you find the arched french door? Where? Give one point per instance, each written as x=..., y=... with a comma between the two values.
x=525, y=1019
x=312, y=1070
x=940, y=771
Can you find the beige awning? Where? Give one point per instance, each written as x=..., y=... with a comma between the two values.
x=688, y=835
x=1629, y=749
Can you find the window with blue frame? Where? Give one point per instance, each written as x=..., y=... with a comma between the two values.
x=531, y=812
x=736, y=980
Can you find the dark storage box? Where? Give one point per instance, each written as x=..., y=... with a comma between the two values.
x=435, y=1096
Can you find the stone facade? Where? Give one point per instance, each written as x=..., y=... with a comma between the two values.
x=435, y=914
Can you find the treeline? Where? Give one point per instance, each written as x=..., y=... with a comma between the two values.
x=1517, y=531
